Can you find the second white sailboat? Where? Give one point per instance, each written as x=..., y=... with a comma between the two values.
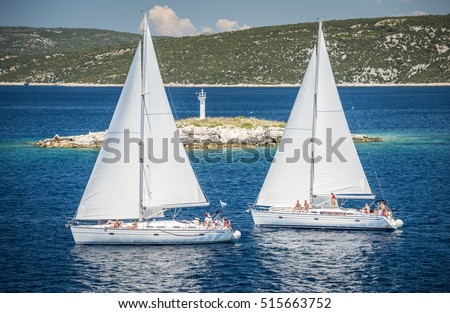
x=310, y=180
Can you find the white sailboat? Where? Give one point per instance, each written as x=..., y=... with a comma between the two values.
x=305, y=171
x=143, y=171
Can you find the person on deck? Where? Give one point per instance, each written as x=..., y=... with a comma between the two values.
x=297, y=207
x=113, y=224
x=134, y=225
x=366, y=209
x=333, y=200
x=196, y=221
x=382, y=208
x=208, y=222
x=306, y=206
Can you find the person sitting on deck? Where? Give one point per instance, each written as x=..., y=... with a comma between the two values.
x=366, y=209
x=383, y=209
x=196, y=221
x=227, y=223
x=114, y=224
x=306, y=206
x=109, y=224
x=297, y=207
x=218, y=222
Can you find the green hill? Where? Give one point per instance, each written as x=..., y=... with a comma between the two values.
x=377, y=50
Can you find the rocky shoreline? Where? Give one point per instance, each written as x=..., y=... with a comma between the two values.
x=195, y=137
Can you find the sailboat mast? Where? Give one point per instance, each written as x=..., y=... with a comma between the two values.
x=313, y=136
x=141, y=141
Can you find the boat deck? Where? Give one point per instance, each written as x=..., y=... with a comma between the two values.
x=163, y=225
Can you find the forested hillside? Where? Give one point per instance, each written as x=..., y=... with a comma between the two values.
x=377, y=50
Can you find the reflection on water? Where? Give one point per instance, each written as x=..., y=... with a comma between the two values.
x=323, y=261
x=283, y=260
x=135, y=268
x=140, y=268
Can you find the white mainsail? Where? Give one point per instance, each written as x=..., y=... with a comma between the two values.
x=115, y=190
x=288, y=181
x=288, y=178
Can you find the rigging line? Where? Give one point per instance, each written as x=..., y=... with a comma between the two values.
x=367, y=150
x=173, y=104
x=146, y=114
x=214, y=184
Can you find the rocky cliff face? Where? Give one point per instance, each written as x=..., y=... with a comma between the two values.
x=91, y=140
x=204, y=137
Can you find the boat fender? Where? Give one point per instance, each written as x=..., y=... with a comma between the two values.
x=237, y=234
x=398, y=223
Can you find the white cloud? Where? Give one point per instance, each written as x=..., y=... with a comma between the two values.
x=207, y=30
x=245, y=27
x=167, y=23
x=225, y=25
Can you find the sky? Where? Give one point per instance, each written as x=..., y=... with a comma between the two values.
x=193, y=17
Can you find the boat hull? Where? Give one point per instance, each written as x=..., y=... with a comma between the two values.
x=99, y=234
x=321, y=220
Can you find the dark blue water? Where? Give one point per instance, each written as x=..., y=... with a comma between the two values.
x=41, y=188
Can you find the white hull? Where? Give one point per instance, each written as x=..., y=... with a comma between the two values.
x=337, y=219
x=153, y=233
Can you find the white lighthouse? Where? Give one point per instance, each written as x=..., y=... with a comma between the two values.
x=202, y=99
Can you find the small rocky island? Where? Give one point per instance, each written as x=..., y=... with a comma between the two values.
x=207, y=133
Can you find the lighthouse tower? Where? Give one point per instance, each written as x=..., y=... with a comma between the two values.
x=202, y=99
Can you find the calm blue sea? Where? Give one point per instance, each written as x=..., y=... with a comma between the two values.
x=41, y=188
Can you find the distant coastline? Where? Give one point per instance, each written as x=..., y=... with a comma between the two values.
x=218, y=85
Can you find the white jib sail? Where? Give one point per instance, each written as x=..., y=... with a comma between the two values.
x=169, y=179
x=113, y=188
x=339, y=170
